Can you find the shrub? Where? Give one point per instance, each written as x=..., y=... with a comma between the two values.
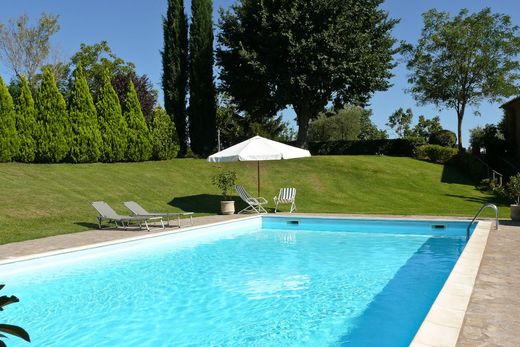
x=139, y=146
x=513, y=188
x=86, y=143
x=393, y=147
x=112, y=125
x=53, y=134
x=25, y=122
x=164, y=136
x=8, y=134
x=436, y=153
x=443, y=138
x=225, y=181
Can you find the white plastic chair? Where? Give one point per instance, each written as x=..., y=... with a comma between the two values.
x=286, y=196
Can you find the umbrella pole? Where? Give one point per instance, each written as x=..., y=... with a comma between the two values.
x=258, y=176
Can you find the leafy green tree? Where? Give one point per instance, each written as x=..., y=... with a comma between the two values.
x=425, y=127
x=112, y=125
x=237, y=126
x=164, y=138
x=53, y=134
x=368, y=130
x=202, y=111
x=488, y=137
x=25, y=49
x=401, y=122
x=463, y=60
x=95, y=60
x=86, y=142
x=8, y=135
x=175, y=68
x=304, y=54
x=25, y=123
x=139, y=146
x=344, y=124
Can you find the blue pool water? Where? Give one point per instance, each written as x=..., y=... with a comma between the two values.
x=270, y=282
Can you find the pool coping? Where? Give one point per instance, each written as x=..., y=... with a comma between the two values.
x=443, y=323
x=118, y=241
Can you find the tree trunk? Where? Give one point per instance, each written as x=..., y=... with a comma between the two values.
x=460, y=116
x=303, y=119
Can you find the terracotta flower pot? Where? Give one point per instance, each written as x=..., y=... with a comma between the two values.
x=515, y=212
x=227, y=207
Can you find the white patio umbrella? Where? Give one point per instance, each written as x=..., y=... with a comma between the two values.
x=258, y=149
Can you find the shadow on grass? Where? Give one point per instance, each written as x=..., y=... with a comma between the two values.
x=452, y=174
x=87, y=225
x=395, y=314
x=481, y=200
x=202, y=203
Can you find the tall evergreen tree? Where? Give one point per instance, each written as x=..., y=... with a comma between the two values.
x=112, y=125
x=8, y=134
x=25, y=122
x=86, y=141
x=53, y=133
x=202, y=112
x=164, y=139
x=175, y=68
x=139, y=147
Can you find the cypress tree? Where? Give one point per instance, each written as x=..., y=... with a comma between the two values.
x=86, y=140
x=139, y=147
x=202, y=112
x=164, y=142
x=112, y=125
x=175, y=68
x=25, y=122
x=53, y=134
x=8, y=134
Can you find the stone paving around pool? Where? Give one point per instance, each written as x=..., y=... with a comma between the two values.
x=493, y=314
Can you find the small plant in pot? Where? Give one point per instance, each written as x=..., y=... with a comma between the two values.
x=225, y=181
x=513, y=188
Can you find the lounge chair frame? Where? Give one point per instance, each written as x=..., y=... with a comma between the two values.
x=254, y=204
x=107, y=213
x=286, y=196
x=138, y=210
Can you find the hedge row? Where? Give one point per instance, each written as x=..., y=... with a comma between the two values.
x=435, y=153
x=391, y=147
x=50, y=129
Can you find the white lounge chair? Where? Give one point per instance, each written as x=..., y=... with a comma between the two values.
x=140, y=211
x=254, y=204
x=286, y=196
x=107, y=213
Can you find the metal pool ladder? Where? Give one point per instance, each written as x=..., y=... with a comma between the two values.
x=494, y=207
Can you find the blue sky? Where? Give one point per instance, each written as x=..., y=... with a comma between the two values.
x=134, y=31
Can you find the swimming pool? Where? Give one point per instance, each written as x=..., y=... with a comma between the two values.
x=264, y=281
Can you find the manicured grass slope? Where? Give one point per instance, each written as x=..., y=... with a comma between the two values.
x=43, y=200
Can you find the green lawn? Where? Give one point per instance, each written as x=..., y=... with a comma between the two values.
x=42, y=200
